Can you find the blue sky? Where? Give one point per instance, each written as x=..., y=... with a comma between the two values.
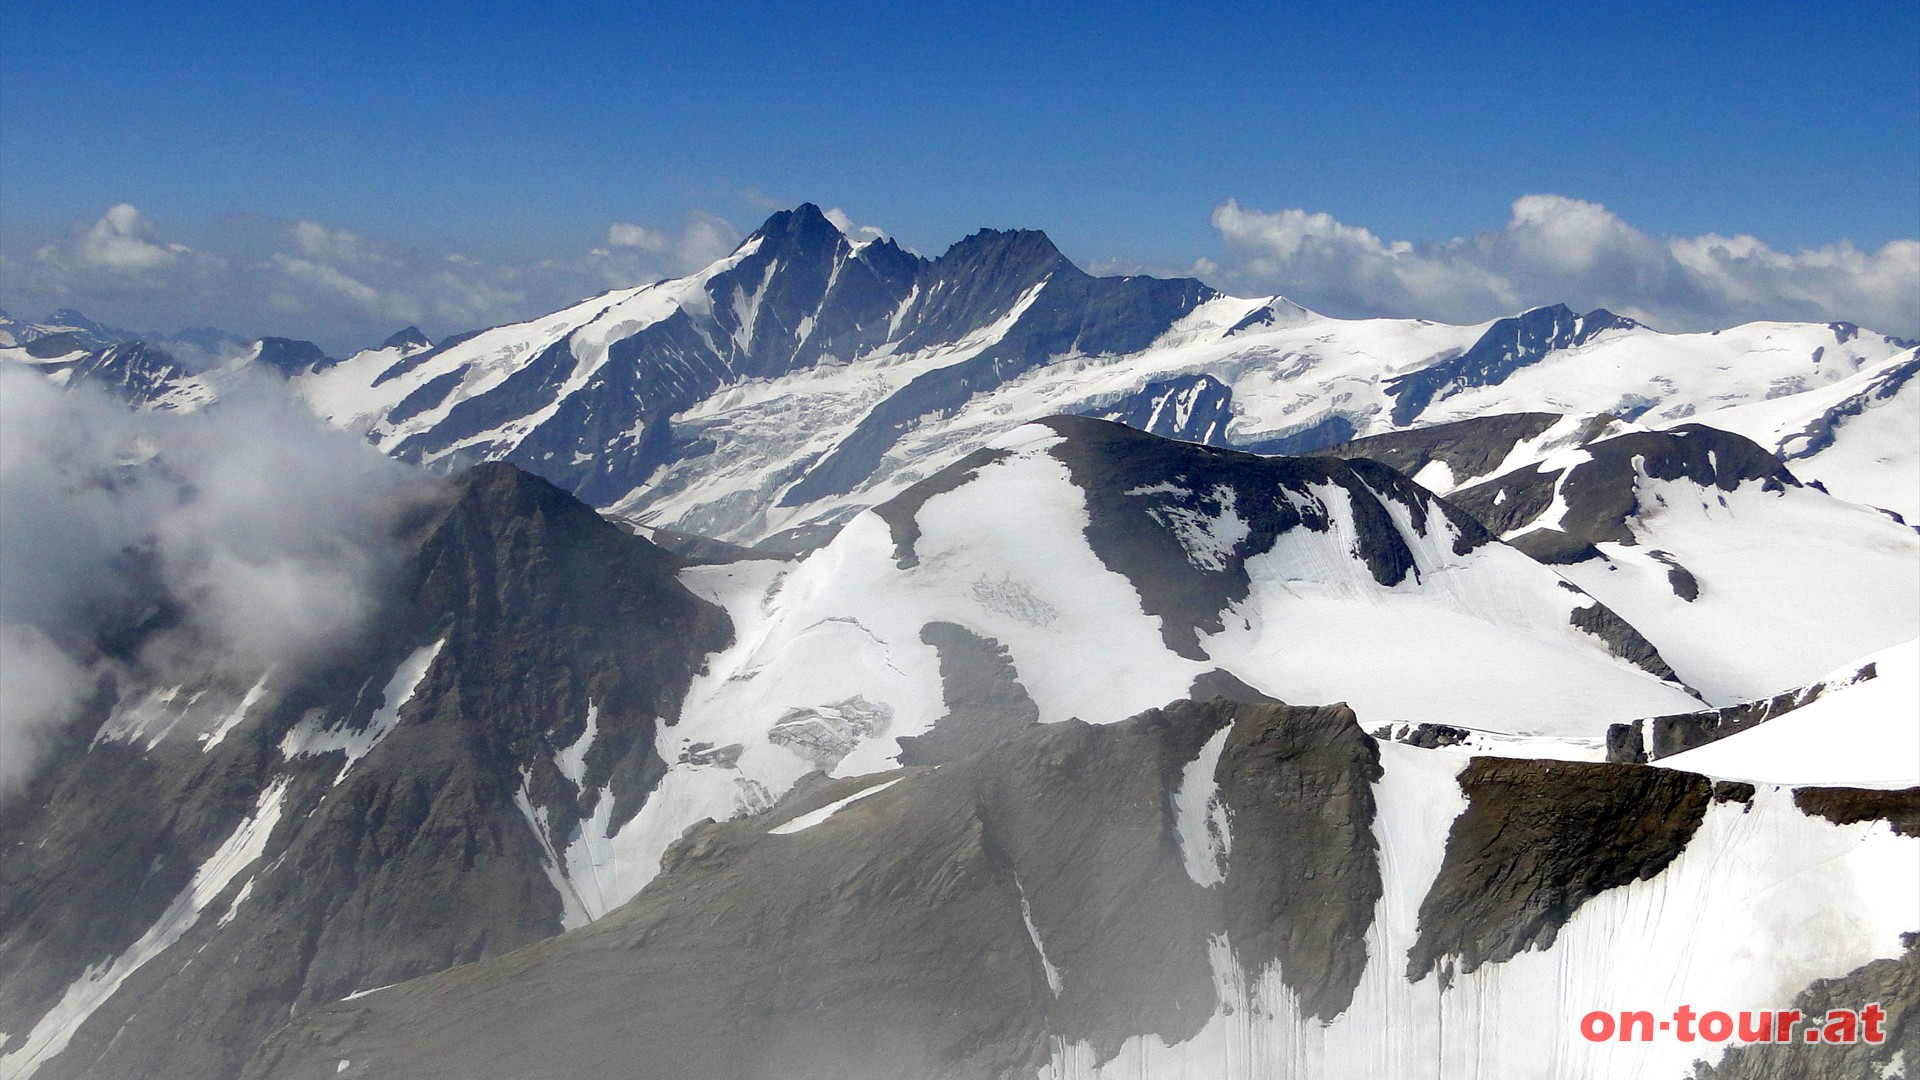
x=516, y=137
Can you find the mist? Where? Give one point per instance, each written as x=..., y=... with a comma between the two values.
x=159, y=546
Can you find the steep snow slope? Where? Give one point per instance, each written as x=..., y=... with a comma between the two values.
x=1866, y=734
x=1859, y=437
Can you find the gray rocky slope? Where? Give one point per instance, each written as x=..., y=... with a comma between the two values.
x=974, y=920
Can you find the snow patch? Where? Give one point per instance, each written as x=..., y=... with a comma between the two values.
x=572, y=760
x=310, y=737
x=241, y=849
x=809, y=820
x=1200, y=815
x=239, y=714
x=1054, y=981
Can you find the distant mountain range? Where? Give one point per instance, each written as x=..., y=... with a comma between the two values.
x=840, y=663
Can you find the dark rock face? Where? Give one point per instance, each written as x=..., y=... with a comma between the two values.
x=1733, y=791
x=1143, y=492
x=892, y=939
x=1331, y=430
x=1847, y=806
x=986, y=705
x=1506, y=347
x=1894, y=984
x=50, y=346
x=1537, y=840
x=1625, y=642
x=1072, y=313
x=1191, y=408
x=415, y=859
x=408, y=337
x=1085, y=818
x=1221, y=683
x=1433, y=736
x=737, y=979
x=1304, y=873
x=287, y=358
x=706, y=551
x=1467, y=447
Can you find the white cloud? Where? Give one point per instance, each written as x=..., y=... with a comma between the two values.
x=123, y=239
x=269, y=533
x=851, y=231
x=339, y=246
x=41, y=686
x=331, y=279
x=1557, y=249
x=622, y=234
x=702, y=238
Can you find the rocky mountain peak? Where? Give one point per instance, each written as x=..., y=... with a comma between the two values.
x=290, y=358
x=410, y=337
x=801, y=231
x=1004, y=252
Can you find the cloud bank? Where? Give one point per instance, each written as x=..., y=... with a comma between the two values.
x=138, y=544
x=342, y=289
x=1554, y=249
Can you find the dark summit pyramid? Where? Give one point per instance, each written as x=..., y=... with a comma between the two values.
x=289, y=358
x=408, y=337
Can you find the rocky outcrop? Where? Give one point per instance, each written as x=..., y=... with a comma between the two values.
x=1537, y=840
x=1191, y=408
x=986, y=705
x=1892, y=984
x=1468, y=448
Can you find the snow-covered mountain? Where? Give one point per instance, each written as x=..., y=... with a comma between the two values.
x=1155, y=684
x=1747, y=580
x=180, y=372
x=808, y=375
x=62, y=329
